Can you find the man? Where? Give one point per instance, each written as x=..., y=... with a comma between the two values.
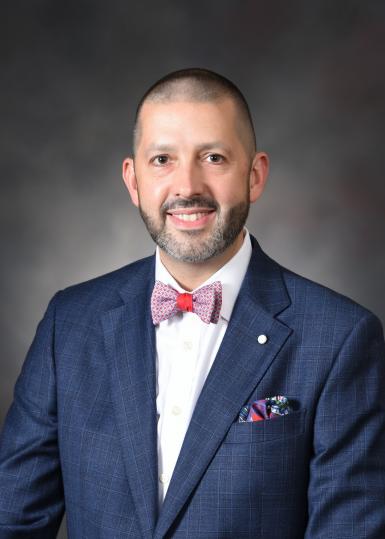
x=206, y=391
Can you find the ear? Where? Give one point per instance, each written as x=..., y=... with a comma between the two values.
x=129, y=178
x=258, y=175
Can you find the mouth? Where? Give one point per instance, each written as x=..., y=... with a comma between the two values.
x=191, y=218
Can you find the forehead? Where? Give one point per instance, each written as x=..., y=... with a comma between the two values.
x=187, y=119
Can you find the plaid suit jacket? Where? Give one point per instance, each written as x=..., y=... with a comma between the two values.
x=81, y=434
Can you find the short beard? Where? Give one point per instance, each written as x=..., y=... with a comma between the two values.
x=226, y=230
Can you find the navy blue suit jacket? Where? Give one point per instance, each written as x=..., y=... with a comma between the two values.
x=81, y=434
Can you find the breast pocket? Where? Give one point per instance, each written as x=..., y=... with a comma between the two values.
x=263, y=458
x=267, y=430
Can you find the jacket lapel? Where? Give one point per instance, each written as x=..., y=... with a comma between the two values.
x=238, y=368
x=129, y=340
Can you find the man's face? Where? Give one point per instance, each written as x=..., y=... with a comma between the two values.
x=191, y=177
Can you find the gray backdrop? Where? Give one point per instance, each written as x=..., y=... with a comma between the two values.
x=72, y=73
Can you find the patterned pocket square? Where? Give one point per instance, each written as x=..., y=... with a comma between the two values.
x=269, y=408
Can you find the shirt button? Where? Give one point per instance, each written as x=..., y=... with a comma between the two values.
x=187, y=345
x=176, y=410
x=163, y=478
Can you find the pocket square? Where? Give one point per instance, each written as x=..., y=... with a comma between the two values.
x=269, y=408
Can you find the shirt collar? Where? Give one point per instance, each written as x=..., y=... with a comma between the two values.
x=231, y=275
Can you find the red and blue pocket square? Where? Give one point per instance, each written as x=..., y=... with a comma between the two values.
x=269, y=408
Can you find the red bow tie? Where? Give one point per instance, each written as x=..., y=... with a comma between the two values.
x=206, y=302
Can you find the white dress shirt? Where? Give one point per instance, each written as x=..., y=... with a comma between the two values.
x=186, y=348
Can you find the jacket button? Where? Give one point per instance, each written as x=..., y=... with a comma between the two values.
x=262, y=339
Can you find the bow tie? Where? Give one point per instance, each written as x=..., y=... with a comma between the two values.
x=206, y=302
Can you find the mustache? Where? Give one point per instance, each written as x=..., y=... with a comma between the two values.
x=193, y=202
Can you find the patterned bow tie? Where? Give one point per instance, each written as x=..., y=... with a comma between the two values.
x=206, y=302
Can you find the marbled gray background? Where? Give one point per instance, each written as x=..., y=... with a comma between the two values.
x=72, y=73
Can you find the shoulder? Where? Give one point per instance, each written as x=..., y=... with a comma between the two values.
x=101, y=293
x=306, y=297
x=320, y=305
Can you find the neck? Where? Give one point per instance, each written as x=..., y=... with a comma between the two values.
x=190, y=275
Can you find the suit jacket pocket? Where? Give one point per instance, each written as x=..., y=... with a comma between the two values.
x=267, y=430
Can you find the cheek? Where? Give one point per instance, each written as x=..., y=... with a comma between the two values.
x=151, y=196
x=229, y=196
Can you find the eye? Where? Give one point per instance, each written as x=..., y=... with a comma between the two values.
x=160, y=160
x=215, y=158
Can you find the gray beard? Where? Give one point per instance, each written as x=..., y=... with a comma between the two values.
x=224, y=234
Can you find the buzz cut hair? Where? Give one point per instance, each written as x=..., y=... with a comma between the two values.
x=196, y=85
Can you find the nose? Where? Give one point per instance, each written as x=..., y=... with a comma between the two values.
x=188, y=180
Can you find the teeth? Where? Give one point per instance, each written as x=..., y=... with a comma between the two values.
x=190, y=216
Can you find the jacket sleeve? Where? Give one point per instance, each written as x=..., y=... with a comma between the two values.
x=347, y=474
x=31, y=491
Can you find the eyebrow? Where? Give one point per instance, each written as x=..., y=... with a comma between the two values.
x=165, y=148
x=213, y=144
x=159, y=148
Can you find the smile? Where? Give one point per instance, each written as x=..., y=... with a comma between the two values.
x=190, y=218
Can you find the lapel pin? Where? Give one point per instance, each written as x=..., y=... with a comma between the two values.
x=262, y=339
